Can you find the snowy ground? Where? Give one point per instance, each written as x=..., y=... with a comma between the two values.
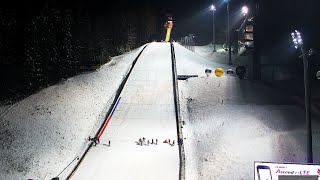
x=230, y=123
x=3, y=109
x=220, y=56
x=146, y=109
x=43, y=133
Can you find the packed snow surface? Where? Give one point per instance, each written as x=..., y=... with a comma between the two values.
x=230, y=123
x=146, y=110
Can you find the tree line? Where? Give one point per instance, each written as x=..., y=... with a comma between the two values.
x=46, y=41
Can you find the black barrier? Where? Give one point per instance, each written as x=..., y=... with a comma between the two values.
x=184, y=77
x=178, y=116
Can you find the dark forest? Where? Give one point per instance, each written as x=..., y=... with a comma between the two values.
x=43, y=42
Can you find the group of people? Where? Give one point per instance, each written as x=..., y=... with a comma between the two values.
x=142, y=141
x=169, y=142
x=96, y=141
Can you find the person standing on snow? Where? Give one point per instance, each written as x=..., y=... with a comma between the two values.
x=180, y=141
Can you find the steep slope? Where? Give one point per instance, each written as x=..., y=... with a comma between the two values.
x=43, y=133
x=230, y=123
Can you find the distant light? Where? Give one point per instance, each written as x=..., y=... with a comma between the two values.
x=213, y=8
x=311, y=52
x=297, y=39
x=245, y=10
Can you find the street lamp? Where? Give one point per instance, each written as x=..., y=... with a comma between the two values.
x=213, y=8
x=245, y=10
x=297, y=40
x=228, y=31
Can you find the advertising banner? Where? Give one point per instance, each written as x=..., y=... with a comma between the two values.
x=272, y=171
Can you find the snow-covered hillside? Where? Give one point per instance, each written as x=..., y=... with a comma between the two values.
x=43, y=133
x=230, y=123
x=220, y=56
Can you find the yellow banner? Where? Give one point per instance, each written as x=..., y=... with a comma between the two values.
x=168, y=34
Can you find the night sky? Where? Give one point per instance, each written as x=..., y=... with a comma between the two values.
x=280, y=18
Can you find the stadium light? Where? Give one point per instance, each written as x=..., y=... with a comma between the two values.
x=213, y=8
x=245, y=10
x=297, y=39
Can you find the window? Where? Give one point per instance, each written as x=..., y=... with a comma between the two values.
x=249, y=28
x=248, y=36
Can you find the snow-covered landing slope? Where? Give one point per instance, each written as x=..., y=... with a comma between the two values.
x=43, y=133
x=145, y=110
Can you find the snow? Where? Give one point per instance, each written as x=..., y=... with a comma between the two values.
x=146, y=109
x=3, y=109
x=229, y=122
x=193, y=64
x=43, y=133
x=220, y=56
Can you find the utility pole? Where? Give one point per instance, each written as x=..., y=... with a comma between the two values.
x=297, y=40
x=214, y=35
x=307, y=105
x=213, y=8
x=256, y=56
x=229, y=43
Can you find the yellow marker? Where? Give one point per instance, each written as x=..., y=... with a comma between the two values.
x=219, y=72
x=168, y=26
x=168, y=34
